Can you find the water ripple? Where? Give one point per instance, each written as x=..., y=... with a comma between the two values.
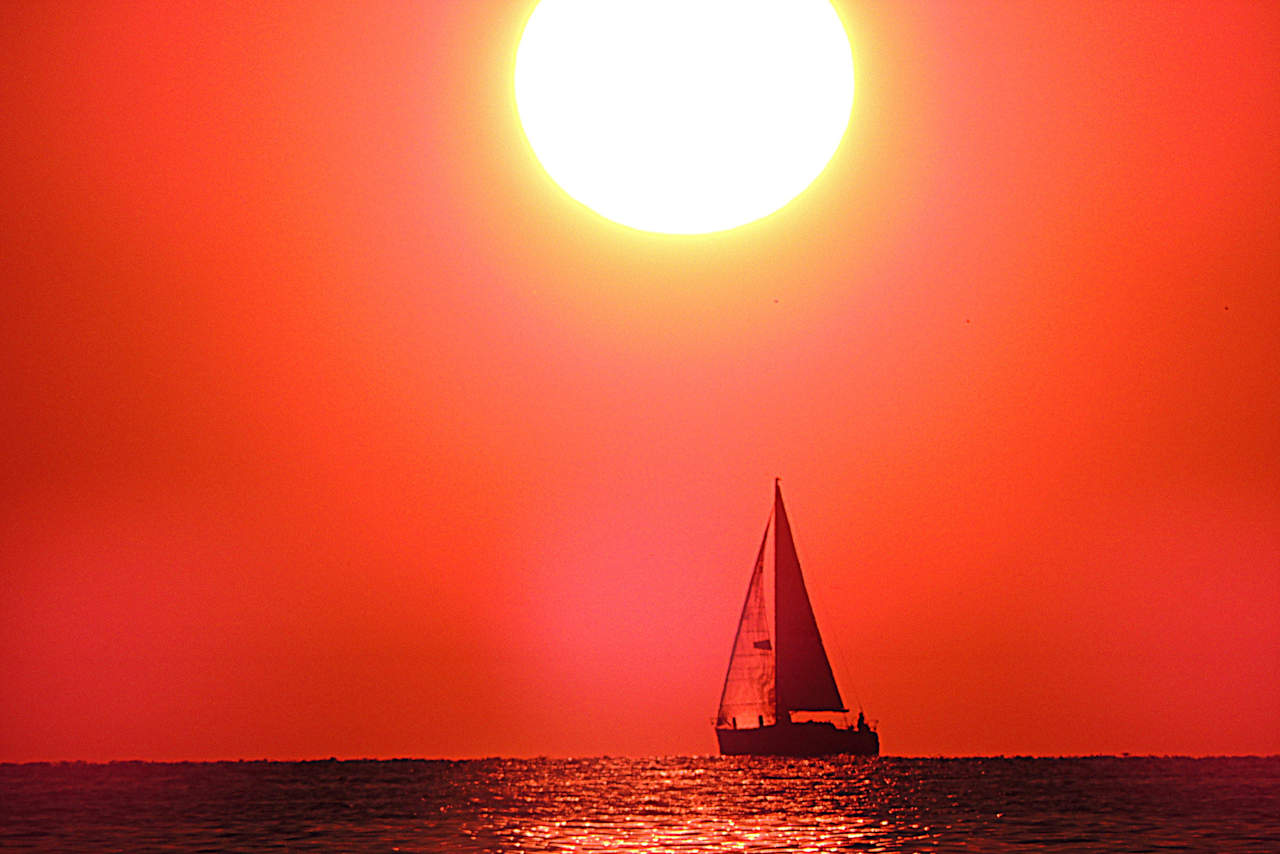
x=671, y=805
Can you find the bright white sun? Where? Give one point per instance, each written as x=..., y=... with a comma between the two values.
x=684, y=116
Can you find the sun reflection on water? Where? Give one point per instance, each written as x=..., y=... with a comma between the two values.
x=744, y=805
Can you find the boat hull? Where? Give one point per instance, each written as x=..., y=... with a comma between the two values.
x=812, y=738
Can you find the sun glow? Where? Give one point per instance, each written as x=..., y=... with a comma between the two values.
x=684, y=116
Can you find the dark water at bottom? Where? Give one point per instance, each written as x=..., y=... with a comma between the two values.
x=656, y=805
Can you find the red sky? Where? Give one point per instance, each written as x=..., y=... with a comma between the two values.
x=331, y=427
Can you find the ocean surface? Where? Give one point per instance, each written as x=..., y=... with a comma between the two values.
x=677, y=804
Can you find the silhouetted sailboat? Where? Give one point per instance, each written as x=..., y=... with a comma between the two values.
x=772, y=675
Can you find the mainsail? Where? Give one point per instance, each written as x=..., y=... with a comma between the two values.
x=748, y=696
x=805, y=681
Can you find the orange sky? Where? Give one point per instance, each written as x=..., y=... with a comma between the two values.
x=331, y=427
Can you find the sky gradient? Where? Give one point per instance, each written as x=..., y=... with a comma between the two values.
x=332, y=427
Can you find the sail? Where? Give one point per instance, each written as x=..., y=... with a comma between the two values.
x=805, y=681
x=748, y=696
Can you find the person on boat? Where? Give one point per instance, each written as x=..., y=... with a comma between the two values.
x=862, y=722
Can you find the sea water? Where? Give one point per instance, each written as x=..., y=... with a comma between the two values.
x=675, y=804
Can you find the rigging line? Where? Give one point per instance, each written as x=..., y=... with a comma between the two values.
x=845, y=670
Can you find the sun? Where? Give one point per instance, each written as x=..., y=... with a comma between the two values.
x=684, y=116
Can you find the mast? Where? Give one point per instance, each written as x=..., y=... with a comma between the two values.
x=781, y=713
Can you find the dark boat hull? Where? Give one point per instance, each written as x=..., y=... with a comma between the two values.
x=812, y=738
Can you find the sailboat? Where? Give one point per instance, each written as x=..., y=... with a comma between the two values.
x=774, y=674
